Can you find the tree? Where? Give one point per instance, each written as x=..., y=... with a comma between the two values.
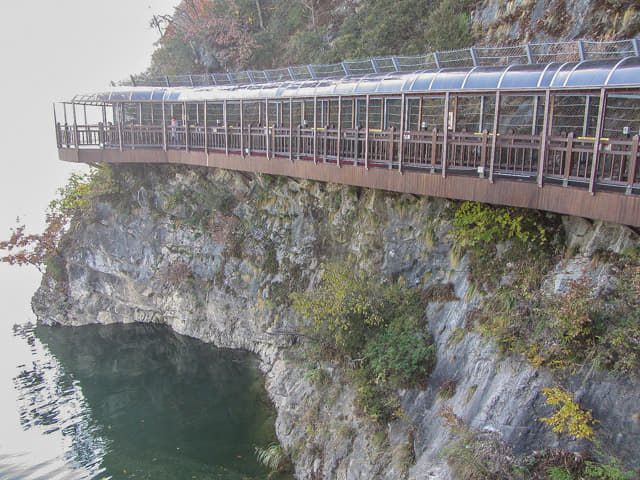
x=214, y=31
x=38, y=249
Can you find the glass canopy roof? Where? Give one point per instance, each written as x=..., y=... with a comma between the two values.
x=586, y=74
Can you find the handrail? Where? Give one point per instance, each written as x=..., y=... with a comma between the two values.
x=568, y=160
x=572, y=51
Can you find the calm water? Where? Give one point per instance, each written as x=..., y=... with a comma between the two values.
x=128, y=401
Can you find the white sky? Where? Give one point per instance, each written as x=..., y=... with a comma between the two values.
x=49, y=51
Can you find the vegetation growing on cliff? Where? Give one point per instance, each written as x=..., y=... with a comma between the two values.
x=584, y=325
x=475, y=454
x=41, y=250
x=223, y=35
x=378, y=326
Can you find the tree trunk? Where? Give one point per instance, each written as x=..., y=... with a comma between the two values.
x=260, y=19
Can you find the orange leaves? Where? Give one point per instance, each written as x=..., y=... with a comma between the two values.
x=215, y=25
x=33, y=249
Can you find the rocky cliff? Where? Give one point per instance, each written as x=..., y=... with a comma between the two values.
x=215, y=255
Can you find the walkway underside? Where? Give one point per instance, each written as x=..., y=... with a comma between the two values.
x=513, y=191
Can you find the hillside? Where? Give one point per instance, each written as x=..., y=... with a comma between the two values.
x=227, y=35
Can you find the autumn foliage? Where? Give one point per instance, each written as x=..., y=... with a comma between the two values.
x=23, y=248
x=214, y=25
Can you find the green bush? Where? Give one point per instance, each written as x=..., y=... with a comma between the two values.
x=480, y=225
x=378, y=326
x=400, y=355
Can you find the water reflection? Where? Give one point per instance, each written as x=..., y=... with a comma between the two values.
x=138, y=401
x=53, y=437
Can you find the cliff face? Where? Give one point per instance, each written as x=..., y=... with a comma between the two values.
x=215, y=254
x=519, y=21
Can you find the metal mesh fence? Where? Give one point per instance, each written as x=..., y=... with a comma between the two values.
x=329, y=71
x=467, y=57
x=360, y=67
x=502, y=56
x=456, y=58
x=555, y=52
x=614, y=49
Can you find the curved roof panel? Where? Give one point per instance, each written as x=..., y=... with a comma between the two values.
x=586, y=74
x=449, y=79
x=484, y=78
x=626, y=72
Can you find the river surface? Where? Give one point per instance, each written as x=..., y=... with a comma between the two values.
x=128, y=401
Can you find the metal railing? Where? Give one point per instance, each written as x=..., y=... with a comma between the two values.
x=468, y=57
x=568, y=160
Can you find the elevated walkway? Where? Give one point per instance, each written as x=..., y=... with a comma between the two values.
x=560, y=137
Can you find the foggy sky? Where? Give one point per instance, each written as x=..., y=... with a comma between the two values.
x=49, y=51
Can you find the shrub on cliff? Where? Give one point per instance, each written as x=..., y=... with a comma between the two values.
x=41, y=250
x=375, y=324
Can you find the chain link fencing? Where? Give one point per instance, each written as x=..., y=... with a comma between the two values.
x=467, y=57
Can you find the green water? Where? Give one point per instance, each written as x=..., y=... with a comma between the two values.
x=138, y=401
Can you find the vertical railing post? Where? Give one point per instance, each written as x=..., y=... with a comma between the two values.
x=636, y=46
x=186, y=136
x=104, y=122
x=568, y=159
x=325, y=143
x=483, y=154
x=356, y=146
x=185, y=121
x=633, y=165
x=266, y=130
x=206, y=132
x=120, y=120
x=434, y=149
x=546, y=127
x=403, y=99
x=298, y=141
x=445, y=140
x=249, y=146
x=366, y=133
x=596, y=144
x=339, y=144
x=164, y=128
x=241, y=128
x=291, y=129
x=75, y=128
x=390, y=147
x=315, y=129
x=66, y=125
x=101, y=135
x=226, y=128
x=494, y=139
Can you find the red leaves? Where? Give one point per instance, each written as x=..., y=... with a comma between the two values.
x=34, y=249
